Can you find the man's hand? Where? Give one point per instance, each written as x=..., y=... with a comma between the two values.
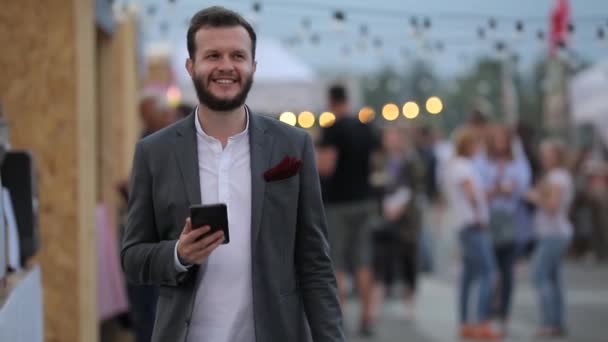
x=194, y=250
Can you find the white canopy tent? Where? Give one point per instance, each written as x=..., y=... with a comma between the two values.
x=589, y=98
x=281, y=83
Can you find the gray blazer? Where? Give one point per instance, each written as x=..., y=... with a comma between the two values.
x=294, y=287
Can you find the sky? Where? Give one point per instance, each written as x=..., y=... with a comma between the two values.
x=454, y=26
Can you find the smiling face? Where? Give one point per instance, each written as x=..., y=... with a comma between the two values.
x=222, y=67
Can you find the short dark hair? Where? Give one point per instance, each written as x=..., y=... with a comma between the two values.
x=217, y=16
x=337, y=94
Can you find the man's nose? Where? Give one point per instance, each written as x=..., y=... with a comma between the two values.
x=226, y=63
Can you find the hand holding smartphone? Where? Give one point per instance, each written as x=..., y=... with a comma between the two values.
x=214, y=215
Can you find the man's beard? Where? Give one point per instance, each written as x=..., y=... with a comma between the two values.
x=206, y=98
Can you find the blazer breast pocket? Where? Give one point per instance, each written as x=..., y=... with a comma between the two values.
x=283, y=190
x=280, y=209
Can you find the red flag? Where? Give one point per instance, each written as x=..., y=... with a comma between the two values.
x=560, y=17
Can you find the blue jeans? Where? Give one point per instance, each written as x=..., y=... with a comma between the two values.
x=546, y=268
x=505, y=259
x=477, y=264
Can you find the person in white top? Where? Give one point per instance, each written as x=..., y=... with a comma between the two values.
x=552, y=196
x=274, y=279
x=467, y=200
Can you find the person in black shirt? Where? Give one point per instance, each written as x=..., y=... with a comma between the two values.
x=344, y=154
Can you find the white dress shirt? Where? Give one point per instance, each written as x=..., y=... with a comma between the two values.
x=223, y=306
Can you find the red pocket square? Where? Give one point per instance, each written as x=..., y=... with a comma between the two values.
x=288, y=167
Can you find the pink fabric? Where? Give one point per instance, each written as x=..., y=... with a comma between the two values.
x=111, y=291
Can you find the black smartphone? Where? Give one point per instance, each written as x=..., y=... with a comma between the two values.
x=213, y=215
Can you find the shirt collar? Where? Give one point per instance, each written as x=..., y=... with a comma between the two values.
x=204, y=135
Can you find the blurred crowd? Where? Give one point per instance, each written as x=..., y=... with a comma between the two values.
x=510, y=197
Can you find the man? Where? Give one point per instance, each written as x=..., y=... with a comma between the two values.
x=344, y=155
x=276, y=271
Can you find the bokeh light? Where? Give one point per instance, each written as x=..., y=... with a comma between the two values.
x=327, y=119
x=390, y=112
x=288, y=118
x=174, y=96
x=366, y=114
x=411, y=110
x=434, y=105
x=306, y=119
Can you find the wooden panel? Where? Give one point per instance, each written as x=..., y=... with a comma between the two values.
x=87, y=168
x=107, y=136
x=125, y=93
x=47, y=89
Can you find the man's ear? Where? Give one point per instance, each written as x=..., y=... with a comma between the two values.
x=255, y=65
x=190, y=66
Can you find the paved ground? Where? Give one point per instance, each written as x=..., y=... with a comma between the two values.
x=587, y=310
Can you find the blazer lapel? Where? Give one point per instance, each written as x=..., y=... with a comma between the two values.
x=187, y=156
x=260, y=142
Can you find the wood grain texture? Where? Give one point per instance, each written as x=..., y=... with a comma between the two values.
x=48, y=95
x=126, y=85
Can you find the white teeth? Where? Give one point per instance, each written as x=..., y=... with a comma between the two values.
x=224, y=81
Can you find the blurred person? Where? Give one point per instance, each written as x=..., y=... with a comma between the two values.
x=428, y=199
x=525, y=158
x=505, y=184
x=580, y=212
x=467, y=199
x=345, y=151
x=425, y=148
x=148, y=112
x=274, y=280
x=480, y=122
x=553, y=196
x=597, y=196
x=444, y=150
x=155, y=115
x=397, y=232
x=589, y=210
x=527, y=145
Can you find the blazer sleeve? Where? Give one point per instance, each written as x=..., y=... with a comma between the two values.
x=146, y=259
x=313, y=263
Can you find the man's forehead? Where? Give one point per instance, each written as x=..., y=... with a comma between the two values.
x=230, y=35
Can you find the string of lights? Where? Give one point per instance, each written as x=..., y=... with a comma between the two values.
x=344, y=10
x=401, y=13
x=363, y=29
x=419, y=23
